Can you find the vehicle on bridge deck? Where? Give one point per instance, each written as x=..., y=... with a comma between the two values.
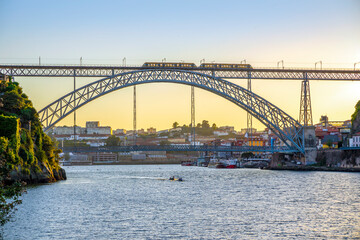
x=169, y=65
x=225, y=65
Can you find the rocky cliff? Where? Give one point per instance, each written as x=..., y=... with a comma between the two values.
x=25, y=150
x=355, y=119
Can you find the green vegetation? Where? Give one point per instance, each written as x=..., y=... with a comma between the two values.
x=357, y=109
x=24, y=147
x=202, y=129
x=112, y=141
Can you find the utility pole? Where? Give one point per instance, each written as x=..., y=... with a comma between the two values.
x=355, y=65
x=320, y=62
x=39, y=60
x=278, y=63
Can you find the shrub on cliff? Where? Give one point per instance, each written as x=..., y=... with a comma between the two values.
x=9, y=193
x=355, y=119
x=34, y=147
x=23, y=146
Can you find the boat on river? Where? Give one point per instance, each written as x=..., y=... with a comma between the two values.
x=216, y=163
x=222, y=163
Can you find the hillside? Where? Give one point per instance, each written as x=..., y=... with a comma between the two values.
x=355, y=119
x=25, y=150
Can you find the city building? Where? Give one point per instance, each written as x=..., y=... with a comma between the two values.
x=354, y=141
x=92, y=124
x=119, y=132
x=151, y=130
x=227, y=128
x=221, y=133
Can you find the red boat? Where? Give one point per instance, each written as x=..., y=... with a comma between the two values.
x=187, y=163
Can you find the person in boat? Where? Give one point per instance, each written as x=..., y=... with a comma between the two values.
x=172, y=178
x=180, y=179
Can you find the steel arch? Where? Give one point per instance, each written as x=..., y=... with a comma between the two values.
x=290, y=131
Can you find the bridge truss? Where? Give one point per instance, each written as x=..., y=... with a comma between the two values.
x=284, y=126
x=107, y=71
x=183, y=148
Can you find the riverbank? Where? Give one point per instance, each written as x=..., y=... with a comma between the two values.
x=313, y=168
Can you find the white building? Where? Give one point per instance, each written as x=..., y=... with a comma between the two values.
x=65, y=130
x=354, y=141
x=220, y=133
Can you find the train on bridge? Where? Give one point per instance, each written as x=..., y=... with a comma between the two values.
x=192, y=65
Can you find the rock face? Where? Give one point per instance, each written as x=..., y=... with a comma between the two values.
x=46, y=175
x=26, y=153
x=339, y=158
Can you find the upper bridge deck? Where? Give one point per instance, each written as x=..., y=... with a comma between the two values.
x=235, y=73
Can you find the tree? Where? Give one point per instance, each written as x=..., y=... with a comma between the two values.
x=205, y=124
x=164, y=142
x=214, y=127
x=175, y=125
x=9, y=193
x=112, y=141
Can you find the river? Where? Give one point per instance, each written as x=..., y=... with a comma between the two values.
x=133, y=202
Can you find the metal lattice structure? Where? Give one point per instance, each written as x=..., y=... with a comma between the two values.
x=193, y=114
x=106, y=71
x=290, y=131
x=305, y=117
x=182, y=148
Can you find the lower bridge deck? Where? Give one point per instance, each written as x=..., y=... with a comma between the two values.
x=182, y=148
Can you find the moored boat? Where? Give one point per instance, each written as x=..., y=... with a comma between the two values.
x=187, y=163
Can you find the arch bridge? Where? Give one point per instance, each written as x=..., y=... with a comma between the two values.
x=290, y=131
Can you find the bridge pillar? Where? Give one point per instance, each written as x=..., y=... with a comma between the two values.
x=310, y=145
x=305, y=116
x=193, y=115
x=249, y=116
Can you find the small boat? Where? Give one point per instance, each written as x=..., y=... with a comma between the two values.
x=187, y=163
x=173, y=178
x=216, y=163
x=230, y=163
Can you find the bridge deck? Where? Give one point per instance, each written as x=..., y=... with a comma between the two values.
x=236, y=73
x=182, y=148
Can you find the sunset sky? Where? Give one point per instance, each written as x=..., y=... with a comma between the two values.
x=261, y=31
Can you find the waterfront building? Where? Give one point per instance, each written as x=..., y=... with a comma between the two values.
x=354, y=141
x=104, y=157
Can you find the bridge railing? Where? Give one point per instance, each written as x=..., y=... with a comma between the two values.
x=255, y=68
x=181, y=148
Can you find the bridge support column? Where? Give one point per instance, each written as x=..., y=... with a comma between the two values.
x=74, y=110
x=305, y=117
x=193, y=114
x=249, y=116
x=310, y=145
x=134, y=116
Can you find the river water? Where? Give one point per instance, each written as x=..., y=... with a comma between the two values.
x=133, y=202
